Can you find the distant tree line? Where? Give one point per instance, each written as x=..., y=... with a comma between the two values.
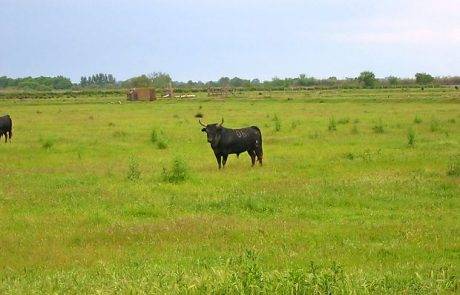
x=160, y=80
x=98, y=80
x=38, y=83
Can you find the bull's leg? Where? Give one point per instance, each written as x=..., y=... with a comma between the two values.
x=224, y=160
x=259, y=154
x=218, y=158
x=252, y=153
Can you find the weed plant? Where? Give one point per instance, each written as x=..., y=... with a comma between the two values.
x=411, y=136
x=178, y=171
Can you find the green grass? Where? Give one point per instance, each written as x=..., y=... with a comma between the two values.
x=89, y=203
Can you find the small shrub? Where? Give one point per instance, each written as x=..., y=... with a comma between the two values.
x=154, y=135
x=454, y=166
x=411, y=136
x=349, y=156
x=177, y=173
x=162, y=143
x=158, y=138
x=417, y=119
x=277, y=126
x=345, y=120
x=451, y=121
x=47, y=143
x=294, y=124
x=134, y=173
x=332, y=124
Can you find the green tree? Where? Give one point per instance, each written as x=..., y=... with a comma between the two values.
x=392, y=81
x=3, y=81
x=423, y=78
x=367, y=78
x=140, y=81
x=224, y=81
x=255, y=82
x=160, y=80
x=61, y=82
x=238, y=82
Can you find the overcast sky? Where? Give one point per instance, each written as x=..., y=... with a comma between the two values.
x=204, y=40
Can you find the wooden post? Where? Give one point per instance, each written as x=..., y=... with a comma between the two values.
x=170, y=90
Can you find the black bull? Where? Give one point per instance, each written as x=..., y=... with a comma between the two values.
x=6, y=126
x=225, y=141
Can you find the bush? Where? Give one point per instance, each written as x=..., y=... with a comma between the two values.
x=177, y=173
x=155, y=135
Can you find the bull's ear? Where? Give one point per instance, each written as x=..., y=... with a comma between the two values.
x=204, y=129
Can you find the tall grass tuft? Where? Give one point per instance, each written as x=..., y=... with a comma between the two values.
x=454, y=166
x=411, y=137
x=154, y=135
x=277, y=121
x=157, y=137
x=417, y=119
x=177, y=173
x=378, y=128
x=47, y=143
x=332, y=124
x=134, y=173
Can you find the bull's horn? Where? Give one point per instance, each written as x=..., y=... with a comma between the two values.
x=220, y=124
x=202, y=123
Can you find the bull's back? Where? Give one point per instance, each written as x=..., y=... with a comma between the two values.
x=237, y=141
x=6, y=123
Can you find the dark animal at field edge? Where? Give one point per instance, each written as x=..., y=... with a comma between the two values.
x=226, y=141
x=6, y=126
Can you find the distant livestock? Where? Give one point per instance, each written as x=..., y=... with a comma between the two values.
x=6, y=126
x=141, y=94
x=225, y=141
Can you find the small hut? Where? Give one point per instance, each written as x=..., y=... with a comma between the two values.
x=141, y=94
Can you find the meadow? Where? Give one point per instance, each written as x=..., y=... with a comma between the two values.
x=359, y=194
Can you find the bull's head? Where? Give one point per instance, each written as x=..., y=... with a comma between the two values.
x=213, y=132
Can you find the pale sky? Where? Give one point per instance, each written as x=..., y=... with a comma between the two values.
x=203, y=40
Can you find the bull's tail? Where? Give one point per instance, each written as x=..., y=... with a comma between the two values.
x=10, y=133
x=258, y=145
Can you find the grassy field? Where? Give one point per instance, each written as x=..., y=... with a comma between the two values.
x=359, y=193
